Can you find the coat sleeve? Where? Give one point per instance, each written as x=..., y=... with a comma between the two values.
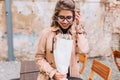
x=82, y=41
x=41, y=62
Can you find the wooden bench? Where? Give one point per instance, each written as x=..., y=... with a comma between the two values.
x=100, y=69
x=83, y=61
x=29, y=70
x=116, y=55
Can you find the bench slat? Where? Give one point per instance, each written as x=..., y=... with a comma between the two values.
x=29, y=70
x=28, y=67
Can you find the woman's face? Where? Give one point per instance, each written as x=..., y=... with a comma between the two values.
x=65, y=18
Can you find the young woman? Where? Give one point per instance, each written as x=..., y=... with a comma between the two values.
x=62, y=23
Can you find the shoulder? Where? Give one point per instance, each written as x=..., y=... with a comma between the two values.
x=45, y=32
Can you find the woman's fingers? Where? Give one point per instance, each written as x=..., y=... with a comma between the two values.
x=59, y=76
x=77, y=17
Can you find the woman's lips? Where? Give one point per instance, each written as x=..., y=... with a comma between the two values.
x=65, y=26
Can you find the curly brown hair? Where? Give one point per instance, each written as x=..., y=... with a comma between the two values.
x=62, y=5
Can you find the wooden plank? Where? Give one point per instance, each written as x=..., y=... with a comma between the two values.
x=29, y=76
x=28, y=66
x=29, y=70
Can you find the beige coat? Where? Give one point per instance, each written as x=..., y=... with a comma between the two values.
x=45, y=58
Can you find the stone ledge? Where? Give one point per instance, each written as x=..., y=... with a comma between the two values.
x=9, y=70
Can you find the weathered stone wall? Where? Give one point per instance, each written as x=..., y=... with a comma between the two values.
x=99, y=17
x=29, y=18
x=3, y=36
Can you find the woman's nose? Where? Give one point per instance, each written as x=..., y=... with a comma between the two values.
x=65, y=21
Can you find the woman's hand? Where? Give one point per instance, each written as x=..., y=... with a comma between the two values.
x=77, y=18
x=78, y=28
x=60, y=76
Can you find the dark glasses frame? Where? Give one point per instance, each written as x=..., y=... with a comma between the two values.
x=63, y=18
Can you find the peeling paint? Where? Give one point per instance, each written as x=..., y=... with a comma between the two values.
x=99, y=17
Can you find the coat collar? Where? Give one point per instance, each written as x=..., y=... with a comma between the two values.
x=55, y=29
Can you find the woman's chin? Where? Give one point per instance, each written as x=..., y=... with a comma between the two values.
x=64, y=27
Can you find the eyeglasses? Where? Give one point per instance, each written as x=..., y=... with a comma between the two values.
x=68, y=18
